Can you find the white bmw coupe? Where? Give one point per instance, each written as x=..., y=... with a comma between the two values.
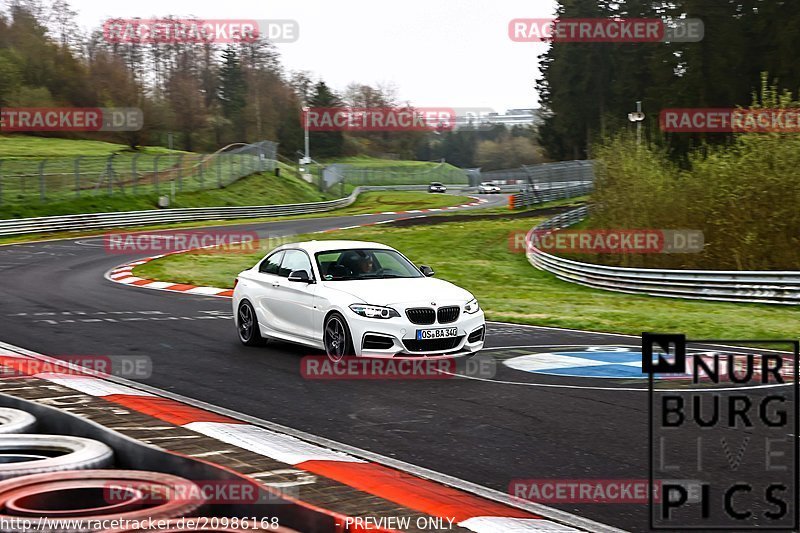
x=355, y=298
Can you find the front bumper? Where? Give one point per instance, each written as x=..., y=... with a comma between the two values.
x=396, y=337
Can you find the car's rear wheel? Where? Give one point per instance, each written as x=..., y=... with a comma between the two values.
x=336, y=338
x=247, y=325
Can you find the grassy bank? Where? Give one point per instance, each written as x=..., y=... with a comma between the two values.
x=476, y=256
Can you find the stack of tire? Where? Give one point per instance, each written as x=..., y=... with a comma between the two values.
x=60, y=484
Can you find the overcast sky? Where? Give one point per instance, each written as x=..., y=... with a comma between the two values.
x=448, y=53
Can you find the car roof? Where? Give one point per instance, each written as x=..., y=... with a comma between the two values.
x=314, y=247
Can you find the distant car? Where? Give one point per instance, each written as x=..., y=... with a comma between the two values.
x=437, y=187
x=355, y=298
x=488, y=188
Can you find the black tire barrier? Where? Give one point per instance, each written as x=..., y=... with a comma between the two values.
x=76, y=501
x=16, y=421
x=21, y=455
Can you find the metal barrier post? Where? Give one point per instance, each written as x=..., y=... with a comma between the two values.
x=1, y=182
x=219, y=171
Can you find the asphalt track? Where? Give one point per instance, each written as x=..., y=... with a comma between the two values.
x=515, y=425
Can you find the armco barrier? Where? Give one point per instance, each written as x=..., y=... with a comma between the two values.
x=91, y=221
x=537, y=196
x=774, y=287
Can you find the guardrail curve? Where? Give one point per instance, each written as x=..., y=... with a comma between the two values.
x=761, y=286
x=89, y=221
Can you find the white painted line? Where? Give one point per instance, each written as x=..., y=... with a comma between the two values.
x=205, y=290
x=90, y=385
x=130, y=279
x=280, y=447
x=158, y=284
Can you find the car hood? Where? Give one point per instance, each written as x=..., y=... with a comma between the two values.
x=400, y=291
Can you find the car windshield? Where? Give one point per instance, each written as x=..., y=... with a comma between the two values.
x=354, y=264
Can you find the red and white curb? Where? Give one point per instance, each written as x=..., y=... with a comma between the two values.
x=124, y=273
x=478, y=201
x=470, y=506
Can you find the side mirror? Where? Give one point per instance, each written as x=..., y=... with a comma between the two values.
x=300, y=275
x=426, y=271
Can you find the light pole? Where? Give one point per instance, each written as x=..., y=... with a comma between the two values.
x=307, y=158
x=637, y=117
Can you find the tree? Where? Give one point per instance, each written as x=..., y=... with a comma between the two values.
x=233, y=92
x=325, y=144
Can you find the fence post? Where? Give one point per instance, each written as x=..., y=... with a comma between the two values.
x=110, y=174
x=1, y=182
x=42, y=186
x=76, y=170
x=219, y=171
x=201, y=175
x=155, y=173
x=180, y=173
x=134, y=172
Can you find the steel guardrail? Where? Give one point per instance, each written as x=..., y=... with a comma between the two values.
x=758, y=286
x=538, y=196
x=89, y=221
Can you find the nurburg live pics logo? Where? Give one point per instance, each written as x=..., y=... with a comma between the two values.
x=733, y=433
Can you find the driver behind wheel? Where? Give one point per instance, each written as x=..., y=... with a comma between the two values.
x=366, y=265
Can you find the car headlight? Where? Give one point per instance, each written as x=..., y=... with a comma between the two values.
x=472, y=307
x=373, y=311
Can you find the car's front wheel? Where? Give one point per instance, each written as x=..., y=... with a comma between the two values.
x=336, y=338
x=247, y=325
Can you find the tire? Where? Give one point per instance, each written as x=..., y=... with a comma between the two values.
x=21, y=455
x=80, y=499
x=247, y=325
x=336, y=338
x=16, y=421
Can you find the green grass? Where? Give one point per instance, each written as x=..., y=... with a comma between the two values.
x=476, y=256
x=378, y=201
x=41, y=147
x=373, y=162
x=258, y=189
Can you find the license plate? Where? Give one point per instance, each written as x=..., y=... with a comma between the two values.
x=441, y=333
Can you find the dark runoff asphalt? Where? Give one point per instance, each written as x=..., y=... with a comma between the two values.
x=518, y=422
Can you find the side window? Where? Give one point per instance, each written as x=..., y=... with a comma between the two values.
x=295, y=260
x=270, y=264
